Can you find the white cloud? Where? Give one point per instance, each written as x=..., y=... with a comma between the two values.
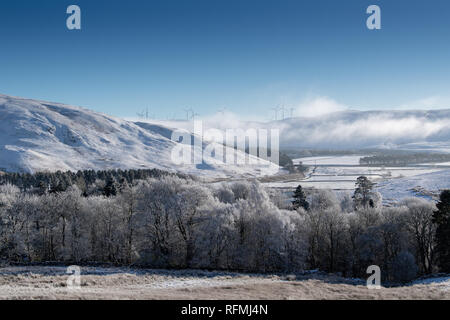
x=319, y=106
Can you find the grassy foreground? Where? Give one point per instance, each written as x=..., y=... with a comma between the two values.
x=123, y=283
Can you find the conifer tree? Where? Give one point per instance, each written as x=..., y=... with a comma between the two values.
x=441, y=218
x=362, y=198
x=300, y=199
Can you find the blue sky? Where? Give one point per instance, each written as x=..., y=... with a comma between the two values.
x=245, y=55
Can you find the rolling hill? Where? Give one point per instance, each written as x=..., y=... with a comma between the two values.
x=43, y=136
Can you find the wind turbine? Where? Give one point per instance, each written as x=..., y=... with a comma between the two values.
x=143, y=114
x=188, y=110
x=276, y=109
x=194, y=114
x=140, y=115
x=283, y=109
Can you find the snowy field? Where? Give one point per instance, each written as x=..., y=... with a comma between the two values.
x=124, y=283
x=426, y=185
x=329, y=160
x=339, y=173
x=441, y=164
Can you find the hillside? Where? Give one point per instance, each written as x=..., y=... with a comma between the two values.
x=43, y=136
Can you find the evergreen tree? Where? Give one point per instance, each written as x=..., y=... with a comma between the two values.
x=362, y=198
x=42, y=188
x=300, y=199
x=81, y=184
x=110, y=188
x=58, y=187
x=441, y=218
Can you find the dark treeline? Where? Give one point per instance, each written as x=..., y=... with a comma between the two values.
x=174, y=222
x=404, y=159
x=88, y=181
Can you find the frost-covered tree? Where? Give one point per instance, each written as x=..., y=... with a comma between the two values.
x=224, y=193
x=128, y=199
x=159, y=239
x=347, y=203
x=106, y=234
x=334, y=237
x=191, y=210
x=279, y=198
x=419, y=223
x=175, y=222
x=323, y=199
x=394, y=239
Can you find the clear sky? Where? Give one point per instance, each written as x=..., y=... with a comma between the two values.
x=245, y=55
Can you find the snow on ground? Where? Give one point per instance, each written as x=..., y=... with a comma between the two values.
x=443, y=282
x=43, y=136
x=153, y=278
x=333, y=185
x=440, y=164
x=39, y=282
x=40, y=136
x=402, y=183
x=339, y=173
x=50, y=282
x=329, y=160
x=426, y=185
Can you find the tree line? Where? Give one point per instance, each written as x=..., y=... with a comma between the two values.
x=404, y=159
x=177, y=222
x=89, y=182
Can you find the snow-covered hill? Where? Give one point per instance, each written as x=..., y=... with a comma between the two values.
x=37, y=135
x=43, y=136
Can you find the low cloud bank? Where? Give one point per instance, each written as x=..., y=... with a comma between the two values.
x=318, y=107
x=371, y=129
x=324, y=123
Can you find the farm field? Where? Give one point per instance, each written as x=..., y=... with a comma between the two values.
x=122, y=283
x=339, y=173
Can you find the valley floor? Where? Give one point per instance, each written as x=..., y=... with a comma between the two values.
x=123, y=283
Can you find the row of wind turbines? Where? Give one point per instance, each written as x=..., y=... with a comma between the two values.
x=279, y=110
x=283, y=111
x=190, y=114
